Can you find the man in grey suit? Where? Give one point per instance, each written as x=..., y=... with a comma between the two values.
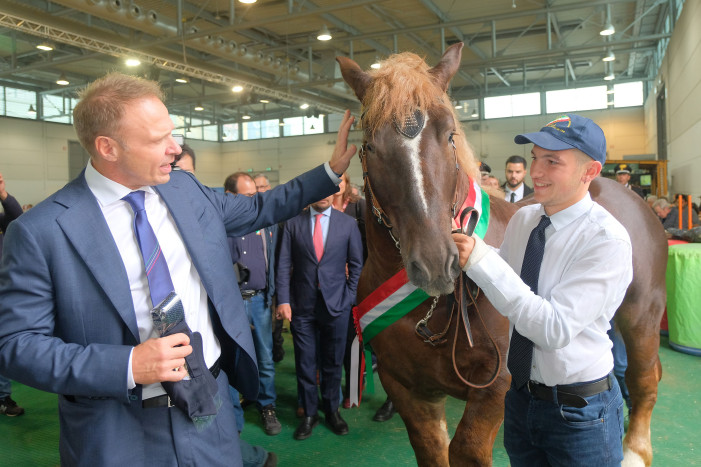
x=75, y=301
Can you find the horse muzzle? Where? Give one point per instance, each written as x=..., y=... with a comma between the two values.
x=435, y=274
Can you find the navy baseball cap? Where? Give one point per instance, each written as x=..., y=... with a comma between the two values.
x=569, y=132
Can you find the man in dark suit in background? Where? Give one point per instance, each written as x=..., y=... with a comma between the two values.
x=321, y=256
x=515, y=188
x=623, y=177
x=76, y=300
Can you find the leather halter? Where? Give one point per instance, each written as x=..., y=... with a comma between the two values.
x=378, y=212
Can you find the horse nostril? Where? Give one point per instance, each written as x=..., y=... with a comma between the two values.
x=417, y=272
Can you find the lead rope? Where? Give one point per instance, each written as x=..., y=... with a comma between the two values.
x=464, y=291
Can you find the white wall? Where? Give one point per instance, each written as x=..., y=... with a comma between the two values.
x=681, y=75
x=34, y=159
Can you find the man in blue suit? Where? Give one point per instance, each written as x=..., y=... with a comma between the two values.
x=321, y=256
x=75, y=301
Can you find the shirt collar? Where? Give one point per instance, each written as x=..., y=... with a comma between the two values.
x=325, y=212
x=105, y=190
x=517, y=190
x=568, y=215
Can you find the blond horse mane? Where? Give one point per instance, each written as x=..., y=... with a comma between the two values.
x=402, y=85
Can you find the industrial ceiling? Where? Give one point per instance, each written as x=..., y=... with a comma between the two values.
x=270, y=48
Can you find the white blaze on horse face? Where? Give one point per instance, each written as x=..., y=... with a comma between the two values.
x=413, y=148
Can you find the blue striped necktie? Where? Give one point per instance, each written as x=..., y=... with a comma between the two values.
x=521, y=348
x=159, y=283
x=195, y=396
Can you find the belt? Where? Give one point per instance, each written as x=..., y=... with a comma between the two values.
x=164, y=399
x=569, y=394
x=249, y=293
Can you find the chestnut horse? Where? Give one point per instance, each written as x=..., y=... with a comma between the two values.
x=416, y=164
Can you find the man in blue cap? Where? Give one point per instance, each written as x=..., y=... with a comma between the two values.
x=559, y=276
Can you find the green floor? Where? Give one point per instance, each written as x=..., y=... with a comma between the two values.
x=32, y=439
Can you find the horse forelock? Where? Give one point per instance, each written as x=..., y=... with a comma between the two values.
x=403, y=85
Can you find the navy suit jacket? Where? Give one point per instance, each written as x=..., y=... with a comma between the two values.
x=67, y=321
x=299, y=272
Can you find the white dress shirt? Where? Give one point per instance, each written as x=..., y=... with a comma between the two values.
x=586, y=269
x=186, y=280
x=518, y=192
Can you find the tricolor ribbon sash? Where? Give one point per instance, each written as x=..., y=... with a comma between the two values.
x=397, y=297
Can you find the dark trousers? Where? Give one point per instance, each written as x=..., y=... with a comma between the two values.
x=330, y=331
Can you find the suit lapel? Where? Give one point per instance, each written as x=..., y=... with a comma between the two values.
x=86, y=229
x=308, y=234
x=187, y=219
x=331, y=234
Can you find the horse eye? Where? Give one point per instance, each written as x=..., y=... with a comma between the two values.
x=450, y=136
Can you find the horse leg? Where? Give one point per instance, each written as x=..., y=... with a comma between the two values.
x=642, y=376
x=474, y=437
x=425, y=423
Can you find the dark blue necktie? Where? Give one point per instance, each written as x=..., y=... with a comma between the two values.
x=521, y=348
x=159, y=283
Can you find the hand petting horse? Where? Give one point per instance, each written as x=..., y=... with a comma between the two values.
x=421, y=178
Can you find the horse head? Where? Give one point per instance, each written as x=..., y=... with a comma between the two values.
x=414, y=157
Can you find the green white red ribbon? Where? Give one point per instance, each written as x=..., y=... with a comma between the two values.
x=397, y=297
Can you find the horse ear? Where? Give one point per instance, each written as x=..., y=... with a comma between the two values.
x=448, y=66
x=356, y=78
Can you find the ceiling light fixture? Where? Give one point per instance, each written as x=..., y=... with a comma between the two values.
x=610, y=56
x=62, y=80
x=324, y=34
x=31, y=110
x=182, y=80
x=132, y=62
x=264, y=101
x=474, y=114
x=376, y=64
x=45, y=46
x=198, y=107
x=608, y=30
x=248, y=2
x=237, y=88
x=246, y=117
x=304, y=106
